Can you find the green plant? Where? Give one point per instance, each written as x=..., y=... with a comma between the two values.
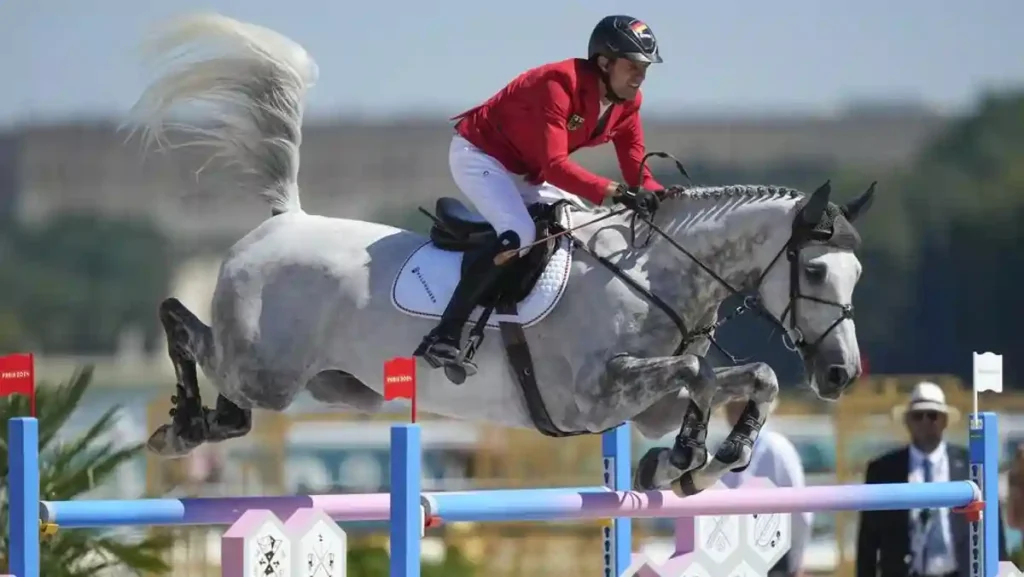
x=1017, y=556
x=69, y=468
x=373, y=561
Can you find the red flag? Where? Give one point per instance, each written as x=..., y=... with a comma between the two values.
x=18, y=377
x=400, y=380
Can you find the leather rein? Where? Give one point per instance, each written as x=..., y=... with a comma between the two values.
x=792, y=337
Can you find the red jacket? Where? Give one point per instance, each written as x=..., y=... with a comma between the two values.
x=534, y=123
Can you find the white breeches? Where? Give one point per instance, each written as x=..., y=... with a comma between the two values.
x=498, y=195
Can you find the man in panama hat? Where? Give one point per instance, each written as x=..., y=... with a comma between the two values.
x=920, y=542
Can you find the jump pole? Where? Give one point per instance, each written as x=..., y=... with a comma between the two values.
x=575, y=504
x=409, y=510
x=410, y=513
x=977, y=498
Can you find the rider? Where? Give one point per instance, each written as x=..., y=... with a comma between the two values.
x=519, y=141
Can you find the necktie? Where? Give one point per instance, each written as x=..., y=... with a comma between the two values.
x=934, y=543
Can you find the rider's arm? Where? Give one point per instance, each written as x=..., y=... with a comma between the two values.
x=551, y=149
x=629, y=147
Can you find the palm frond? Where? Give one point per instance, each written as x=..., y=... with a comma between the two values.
x=69, y=468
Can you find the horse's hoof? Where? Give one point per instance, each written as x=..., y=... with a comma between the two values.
x=735, y=453
x=220, y=433
x=166, y=443
x=684, y=486
x=222, y=425
x=646, y=477
x=688, y=457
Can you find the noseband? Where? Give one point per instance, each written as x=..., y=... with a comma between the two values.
x=800, y=343
x=802, y=235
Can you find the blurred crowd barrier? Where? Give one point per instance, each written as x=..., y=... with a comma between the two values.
x=325, y=452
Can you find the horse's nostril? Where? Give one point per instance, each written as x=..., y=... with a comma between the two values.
x=838, y=375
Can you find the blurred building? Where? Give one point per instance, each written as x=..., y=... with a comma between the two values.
x=352, y=169
x=363, y=170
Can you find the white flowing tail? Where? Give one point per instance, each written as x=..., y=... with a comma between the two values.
x=254, y=82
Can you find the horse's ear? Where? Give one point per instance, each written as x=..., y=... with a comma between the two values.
x=858, y=206
x=815, y=207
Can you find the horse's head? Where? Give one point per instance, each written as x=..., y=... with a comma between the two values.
x=809, y=288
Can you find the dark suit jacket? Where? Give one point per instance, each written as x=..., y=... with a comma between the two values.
x=883, y=537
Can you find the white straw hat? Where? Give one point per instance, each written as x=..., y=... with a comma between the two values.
x=927, y=396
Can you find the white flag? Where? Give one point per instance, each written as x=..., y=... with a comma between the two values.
x=988, y=372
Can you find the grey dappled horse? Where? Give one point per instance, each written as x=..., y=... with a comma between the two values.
x=302, y=301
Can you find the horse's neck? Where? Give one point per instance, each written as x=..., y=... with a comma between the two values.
x=736, y=236
x=735, y=232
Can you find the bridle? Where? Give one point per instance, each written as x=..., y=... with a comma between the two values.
x=803, y=234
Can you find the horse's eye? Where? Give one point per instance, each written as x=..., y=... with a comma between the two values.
x=816, y=272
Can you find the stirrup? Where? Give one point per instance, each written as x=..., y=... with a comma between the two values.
x=457, y=362
x=428, y=349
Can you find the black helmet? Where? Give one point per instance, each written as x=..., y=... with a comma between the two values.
x=623, y=37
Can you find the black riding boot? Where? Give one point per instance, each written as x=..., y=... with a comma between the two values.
x=443, y=346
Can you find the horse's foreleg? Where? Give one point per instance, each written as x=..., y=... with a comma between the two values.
x=685, y=467
x=635, y=378
x=756, y=382
x=189, y=341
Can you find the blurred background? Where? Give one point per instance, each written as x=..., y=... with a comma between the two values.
x=926, y=97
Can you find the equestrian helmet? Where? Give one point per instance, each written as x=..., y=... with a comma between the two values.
x=623, y=36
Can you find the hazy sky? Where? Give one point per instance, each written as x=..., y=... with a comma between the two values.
x=63, y=58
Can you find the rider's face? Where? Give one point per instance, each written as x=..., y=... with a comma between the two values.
x=626, y=76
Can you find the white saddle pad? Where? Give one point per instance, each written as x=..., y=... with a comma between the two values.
x=426, y=282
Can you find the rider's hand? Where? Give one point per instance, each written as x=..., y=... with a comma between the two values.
x=644, y=202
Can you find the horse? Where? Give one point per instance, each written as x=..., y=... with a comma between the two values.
x=593, y=329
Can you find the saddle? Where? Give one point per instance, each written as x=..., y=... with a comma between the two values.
x=457, y=228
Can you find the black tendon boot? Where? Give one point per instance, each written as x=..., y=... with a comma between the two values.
x=443, y=346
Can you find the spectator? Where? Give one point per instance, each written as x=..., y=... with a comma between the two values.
x=775, y=458
x=920, y=543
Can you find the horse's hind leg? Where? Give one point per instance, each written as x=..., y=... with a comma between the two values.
x=227, y=421
x=190, y=342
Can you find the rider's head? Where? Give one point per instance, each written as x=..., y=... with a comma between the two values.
x=622, y=48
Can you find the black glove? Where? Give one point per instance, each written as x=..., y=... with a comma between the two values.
x=644, y=202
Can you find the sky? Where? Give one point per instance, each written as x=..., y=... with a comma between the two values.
x=65, y=59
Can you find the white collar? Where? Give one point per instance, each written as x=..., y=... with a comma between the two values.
x=935, y=456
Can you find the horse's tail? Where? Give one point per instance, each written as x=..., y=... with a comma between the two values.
x=253, y=81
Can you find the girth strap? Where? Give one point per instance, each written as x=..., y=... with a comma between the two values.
x=521, y=361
